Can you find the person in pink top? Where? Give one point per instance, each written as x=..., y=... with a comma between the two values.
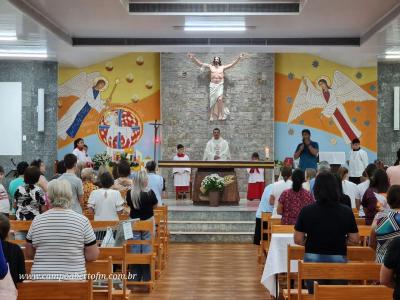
x=394, y=172
x=293, y=200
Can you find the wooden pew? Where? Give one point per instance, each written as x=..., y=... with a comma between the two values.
x=158, y=243
x=94, y=268
x=294, y=252
x=140, y=258
x=164, y=231
x=360, y=221
x=344, y=271
x=364, y=231
x=272, y=222
x=103, y=268
x=282, y=229
x=55, y=290
x=264, y=244
x=351, y=292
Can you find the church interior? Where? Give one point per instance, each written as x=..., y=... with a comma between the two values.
x=186, y=149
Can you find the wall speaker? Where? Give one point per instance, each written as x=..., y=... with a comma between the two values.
x=40, y=110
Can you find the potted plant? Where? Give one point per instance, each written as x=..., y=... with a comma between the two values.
x=101, y=159
x=213, y=185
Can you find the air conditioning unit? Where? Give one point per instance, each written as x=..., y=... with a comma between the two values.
x=214, y=8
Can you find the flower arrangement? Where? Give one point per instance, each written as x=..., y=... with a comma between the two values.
x=214, y=182
x=101, y=159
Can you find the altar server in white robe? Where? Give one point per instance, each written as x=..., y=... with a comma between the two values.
x=217, y=148
x=181, y=175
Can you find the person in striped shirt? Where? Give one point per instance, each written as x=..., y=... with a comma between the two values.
x=60, y=240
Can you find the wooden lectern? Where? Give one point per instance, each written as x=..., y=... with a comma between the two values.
x=230, y=195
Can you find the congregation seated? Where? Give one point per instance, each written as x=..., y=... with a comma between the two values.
x=105, y=203
x=294, y=199
x=326, y=227
x=60, y=240
x=142, y=200
x=374, y=198
x=29, y=199
x=87, y=176
x=386, y=224
x=123, y=183
x=12, y=252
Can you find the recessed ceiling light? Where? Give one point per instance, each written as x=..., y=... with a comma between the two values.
x=25, y=55
x=214, y=28
x=392, y=56
x=8, y=38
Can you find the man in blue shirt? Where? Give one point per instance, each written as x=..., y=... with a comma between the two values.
x=156, y=182
x=264, y=206
x=307, y=151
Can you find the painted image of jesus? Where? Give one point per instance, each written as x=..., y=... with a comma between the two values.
x=87, y=89
x=331, y=99
x=218, y=111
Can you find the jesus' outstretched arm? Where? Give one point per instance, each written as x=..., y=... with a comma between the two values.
x=226, y=67
x=196, y=60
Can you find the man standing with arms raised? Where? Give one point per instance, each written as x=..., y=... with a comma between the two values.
x=217, y=107
x=217, y=148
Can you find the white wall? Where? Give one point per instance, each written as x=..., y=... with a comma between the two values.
x=10, y=118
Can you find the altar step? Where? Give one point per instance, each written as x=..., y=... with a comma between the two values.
x=212, y=226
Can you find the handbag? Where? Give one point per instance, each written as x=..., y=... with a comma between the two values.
x=7, y=287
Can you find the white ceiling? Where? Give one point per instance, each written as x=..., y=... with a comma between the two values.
x=108, y=18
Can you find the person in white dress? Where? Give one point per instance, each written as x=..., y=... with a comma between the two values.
x=217, y=148
x=181, y=175
x=105, y=203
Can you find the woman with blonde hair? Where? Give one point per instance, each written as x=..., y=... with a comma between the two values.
x=141, y=201
x=60, y=228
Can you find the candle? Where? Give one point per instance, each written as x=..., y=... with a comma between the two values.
x=266, y=153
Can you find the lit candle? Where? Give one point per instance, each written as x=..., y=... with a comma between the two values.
x=266, y=153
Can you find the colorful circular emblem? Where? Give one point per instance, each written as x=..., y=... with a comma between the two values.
x=120, y=128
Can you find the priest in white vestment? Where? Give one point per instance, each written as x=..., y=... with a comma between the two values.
x=181, y=175
x=217, y=148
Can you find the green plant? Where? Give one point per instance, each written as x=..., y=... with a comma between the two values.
x=101, y=159
x=214, y=182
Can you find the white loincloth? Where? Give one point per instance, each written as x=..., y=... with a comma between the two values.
x=216, y=91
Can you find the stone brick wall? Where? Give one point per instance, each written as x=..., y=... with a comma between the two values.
x=388, y=139
x=249, y=95
x=34, y=75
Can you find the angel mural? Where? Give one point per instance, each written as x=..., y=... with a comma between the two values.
x=331, y=100
x=87, y=87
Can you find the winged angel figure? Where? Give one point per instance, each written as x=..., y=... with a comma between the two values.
x=86, y=87
x=331, y=100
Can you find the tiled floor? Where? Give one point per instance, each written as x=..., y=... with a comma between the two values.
x=209, y=272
